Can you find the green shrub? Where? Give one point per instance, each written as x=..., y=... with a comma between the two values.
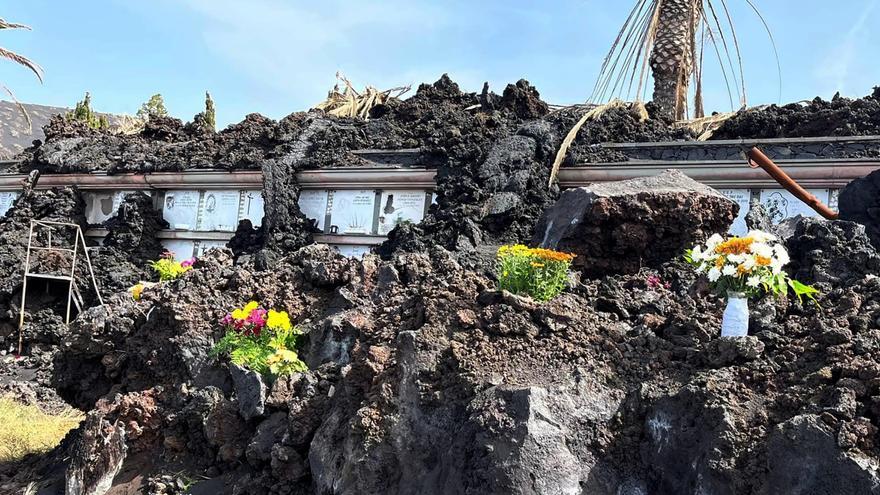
x=83, y=113
x=154, y=107
x=169, y=269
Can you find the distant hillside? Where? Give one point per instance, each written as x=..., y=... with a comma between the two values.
x=14, y=133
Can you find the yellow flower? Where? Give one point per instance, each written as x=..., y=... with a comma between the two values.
x=537, y=265
x=136, y=291
x=278, y=320
x=241, y=314
x=282, y=355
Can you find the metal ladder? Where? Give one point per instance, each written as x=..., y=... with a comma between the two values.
x=73, y=294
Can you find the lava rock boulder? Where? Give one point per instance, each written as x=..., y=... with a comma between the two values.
x=621, y=227
x=860, y=202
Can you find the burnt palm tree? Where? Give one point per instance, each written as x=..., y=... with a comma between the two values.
x=21, y=60
x=669, y=39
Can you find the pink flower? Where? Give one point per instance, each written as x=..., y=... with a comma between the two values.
x=188, y=263
x=257, y=317
x=653, y=281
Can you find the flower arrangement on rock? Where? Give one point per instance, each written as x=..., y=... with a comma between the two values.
x=262, y=340
x=539, y=273
x=744, y=267
x=169, y=269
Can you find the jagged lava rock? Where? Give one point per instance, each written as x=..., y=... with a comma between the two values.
x=860, y=202
x=620, y=227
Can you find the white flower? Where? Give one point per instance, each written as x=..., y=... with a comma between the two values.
x=714, y=274
x=781, y=254
x=753, y=281
x=749, y=263
x=713, y=241
x=697, y=253
x=702, y=267
x=728, y=270
x=776, y=266
x=736, y=258
x=761, y=236
x=761, y=249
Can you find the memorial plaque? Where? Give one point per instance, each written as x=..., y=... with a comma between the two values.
x=181, y=209
x=6, y=200
x=741, y=197
x=352, y=212
x=253, y=207
x=102, y=206
x=181, y=248
x=206, y=245
x=220, y=211
x=351, y=250
x=313, y=204
x=781, y=204
x=400, y=206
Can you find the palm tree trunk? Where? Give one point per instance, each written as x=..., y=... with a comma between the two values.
x=672, y=60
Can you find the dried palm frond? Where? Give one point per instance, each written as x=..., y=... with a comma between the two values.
x=705, y=127
x=351, y=103
x=670, y=38
x=21, y=60
x=637, y=108
x=127, y=125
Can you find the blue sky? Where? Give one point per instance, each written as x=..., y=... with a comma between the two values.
x=278, y=56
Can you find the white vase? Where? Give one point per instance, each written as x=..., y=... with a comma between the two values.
x=736, y=316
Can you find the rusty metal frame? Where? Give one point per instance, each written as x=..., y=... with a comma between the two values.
x=758, y=159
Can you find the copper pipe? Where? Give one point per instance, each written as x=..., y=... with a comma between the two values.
x=758, y=159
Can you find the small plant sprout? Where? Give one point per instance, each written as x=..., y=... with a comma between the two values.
x=169, y=269
x=262, y=340
x=539, y=273
x=750, y=265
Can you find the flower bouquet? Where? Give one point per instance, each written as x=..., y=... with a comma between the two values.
x=745, y=267
x=539, y=273
x=262, y=340
x=169, y=269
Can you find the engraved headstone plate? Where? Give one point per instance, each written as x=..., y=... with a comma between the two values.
x=781, y=204
x=352, y=212
x=181, y=248
x=253, y=207
x=180, y=209
x=6, y=200
x=399, y=206
x=741, y=197
x=220, y=211
x=351, y=250
x=313, y=204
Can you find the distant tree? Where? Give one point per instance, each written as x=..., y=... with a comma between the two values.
x=210, y=116
x=83, y=113
x=21, y=60
x=154, y=107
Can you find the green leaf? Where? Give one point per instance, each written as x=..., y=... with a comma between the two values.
x=802, y=290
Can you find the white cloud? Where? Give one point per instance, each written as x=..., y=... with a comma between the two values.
x=295, y=49
x=835, y=71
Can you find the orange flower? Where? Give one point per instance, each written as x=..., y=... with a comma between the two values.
x=551, y=255
x=735, y=245
x=762, y=261
x=720, y=262
x=742, y=270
